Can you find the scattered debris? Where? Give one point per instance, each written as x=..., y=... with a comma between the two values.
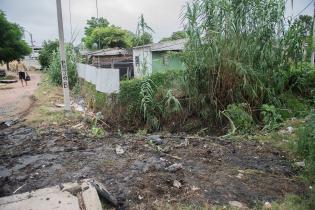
x=140, y=197
x=9, y=123
x=175, y=167
x=119, y=150
x=19, y=188
x=173, y=156
x=237, y=204
x=194, y=188
x=177, y=184
x=155, y=139
x=59, y=105
x=267, y=205
x=183, y=144
x=290, y=130
x=240, y=176
x=300, y=164
x=104, y=192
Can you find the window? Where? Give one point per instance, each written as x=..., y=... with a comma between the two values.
x=137, y=60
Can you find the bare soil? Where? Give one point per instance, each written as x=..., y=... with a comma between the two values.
x=215, y=170
x=15, y=99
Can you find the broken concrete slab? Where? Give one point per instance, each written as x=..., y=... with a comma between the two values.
x=90, y=197
x=62, y=197
x=47, y=198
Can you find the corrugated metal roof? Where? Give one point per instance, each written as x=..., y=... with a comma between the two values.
x=111, y=52
x=176, y=45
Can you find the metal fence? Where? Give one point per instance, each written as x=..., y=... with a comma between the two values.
x=105, y=80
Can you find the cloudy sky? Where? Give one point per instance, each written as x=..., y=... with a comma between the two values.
x=39, y=16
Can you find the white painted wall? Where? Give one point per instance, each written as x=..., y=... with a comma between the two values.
x=144, y=54
x=105, y=80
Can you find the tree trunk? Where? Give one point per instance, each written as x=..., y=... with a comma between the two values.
x=8, y=66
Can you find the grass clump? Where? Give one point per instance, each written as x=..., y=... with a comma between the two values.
x=54, y=69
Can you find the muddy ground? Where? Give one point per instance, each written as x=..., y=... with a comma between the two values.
x=215, y=170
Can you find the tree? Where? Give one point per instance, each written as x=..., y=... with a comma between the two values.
x=299, y=39
x=95, y=23
x=175, y=36
x=12, y=46
x=143, y=35
x=143, y=39
x=45, y=55
x=111, y=36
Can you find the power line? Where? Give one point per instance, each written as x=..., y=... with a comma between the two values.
x=309, y=4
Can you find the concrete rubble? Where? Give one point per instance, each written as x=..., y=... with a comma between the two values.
x=68, y=196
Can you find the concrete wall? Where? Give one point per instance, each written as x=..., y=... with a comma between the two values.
x=145, y=56
x=105, y=80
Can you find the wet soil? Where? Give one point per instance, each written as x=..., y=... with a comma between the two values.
x=215, y=170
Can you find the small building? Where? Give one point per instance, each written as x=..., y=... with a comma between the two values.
x=157, y=57
x=116, y=58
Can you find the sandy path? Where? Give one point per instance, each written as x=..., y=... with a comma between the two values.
x=17, y=99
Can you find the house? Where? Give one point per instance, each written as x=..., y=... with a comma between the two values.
x=157, y=57
x=116, y=58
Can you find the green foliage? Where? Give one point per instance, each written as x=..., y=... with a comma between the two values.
x=45, y=55
x=149, y=100
x=293, y=106
x=100, y=100
x=143, y=39
x=301, y=79
x=270, y=117
x=306, y=145
x=108, y=37
x=172, y=104
x=143, y=34
x=54, y=70
x=240, y=117
x=237, y=52
x=12, y=46
x=299, y=34
x=97, y=130
x=93, y=23
x=175, y=36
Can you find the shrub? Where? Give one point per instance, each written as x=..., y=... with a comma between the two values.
x=234, y=56
x=306, y=145
x=270, y=117
x=54, y=70
x=239, y=117
x=45, y=55
x=149, y=100
x=301, y=79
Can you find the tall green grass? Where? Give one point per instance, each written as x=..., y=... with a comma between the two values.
x=236, y=53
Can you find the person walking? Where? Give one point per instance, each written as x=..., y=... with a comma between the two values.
x=21, y=69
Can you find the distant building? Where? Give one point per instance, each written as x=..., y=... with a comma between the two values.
x=156, y=57
x=116, y=58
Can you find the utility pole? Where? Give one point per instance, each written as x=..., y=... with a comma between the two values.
x=313, y=53
x=64, y=72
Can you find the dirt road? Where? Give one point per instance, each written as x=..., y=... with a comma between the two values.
x=15, y=99
x=214, y=170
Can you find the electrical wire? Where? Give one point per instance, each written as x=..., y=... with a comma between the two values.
x=70, y=17
x=303, y=9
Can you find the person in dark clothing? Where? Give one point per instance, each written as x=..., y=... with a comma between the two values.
x=21, y=69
